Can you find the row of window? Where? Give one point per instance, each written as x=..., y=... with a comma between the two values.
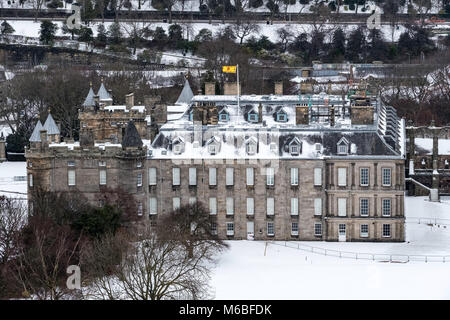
x=386, y=208
x=229, y=176
x=364, y=177
x=270, y=229
x=270, y=176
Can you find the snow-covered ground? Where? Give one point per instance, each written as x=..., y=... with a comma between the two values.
x=245, y=272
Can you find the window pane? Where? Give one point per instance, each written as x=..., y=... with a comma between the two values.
x=294, y=206
x=176, y=203
x=139, y=179
x=342, y=207
x=250, y=180
x=364, y=176
x=386, y=209
x=212, y=176
x=229, y=176
x=342, y=177
x=294, y=176
x=212, y=206
x=317, y=176
x=102, y=174
x=192, y=176
x=270, y=176
x=152, y=206
x=364, y=207
x=270, y=229
x=250, y=206
x=270, y=206
x=317, y=229
x=230, y=206
x=386, y=175
x=71, y=177
x=318, y=206
x=176, y=176
x=152, y=176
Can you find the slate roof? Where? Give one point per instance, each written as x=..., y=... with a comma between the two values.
x=36, y=135
x=186, y=94
x=50, y=125
x=131, y=137
x=102, y=93
x=89, y=101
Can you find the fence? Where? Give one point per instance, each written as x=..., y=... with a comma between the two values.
x=393, y=258
x=428, y=221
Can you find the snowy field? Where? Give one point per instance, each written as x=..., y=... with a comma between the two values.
x=245, y=272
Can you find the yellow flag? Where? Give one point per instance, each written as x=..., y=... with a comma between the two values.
x=229, y=69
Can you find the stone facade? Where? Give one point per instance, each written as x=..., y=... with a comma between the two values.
x=328, y=200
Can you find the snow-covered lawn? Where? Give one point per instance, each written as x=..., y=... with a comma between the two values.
x=244, y=272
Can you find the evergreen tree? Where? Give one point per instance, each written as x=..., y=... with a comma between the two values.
x=85, y=34
x=114, y=33
x=356, y=46
x=378, y=49
x=6, y=28
x=102, y=37
x=47, y=32
x=337, y=50
x=175, y=33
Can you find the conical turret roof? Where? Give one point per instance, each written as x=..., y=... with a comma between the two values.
x=102, y=93
x=186, y=94
x=131, y=137
x=36, y=135
x=89, y=101
x=50, y=125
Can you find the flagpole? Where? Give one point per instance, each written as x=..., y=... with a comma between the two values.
x=238, y=93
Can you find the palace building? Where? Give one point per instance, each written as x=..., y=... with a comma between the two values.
x=282, y=167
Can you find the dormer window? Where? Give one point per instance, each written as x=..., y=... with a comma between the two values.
x=253, y=117
x=342, y=146
x=177, y=149
x=342, y=149
x=212, y=149
x=318, y=147
x=213, y=145
x=295, y=147
x=223, y=116
x=251, y=149
x=178, y=145
x=281, y=116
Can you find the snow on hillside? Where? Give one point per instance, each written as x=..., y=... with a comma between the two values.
x=31, y=29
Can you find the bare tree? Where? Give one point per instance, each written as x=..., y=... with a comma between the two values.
x=12, y=220
x=244, y=29
x=192, y=226
x=285, y=35
x=45, y=251
x=150, y=269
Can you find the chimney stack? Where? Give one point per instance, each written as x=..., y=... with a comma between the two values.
x=301, y=115
x=279, y=88
x=230, y=88
x=210, y=88
x=129, y=100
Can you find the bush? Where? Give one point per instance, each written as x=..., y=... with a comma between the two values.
x=99, y=221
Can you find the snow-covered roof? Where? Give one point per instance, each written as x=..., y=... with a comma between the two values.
x=36, y=136
x=50, y=125
x=140, y=109
x=186, y=94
